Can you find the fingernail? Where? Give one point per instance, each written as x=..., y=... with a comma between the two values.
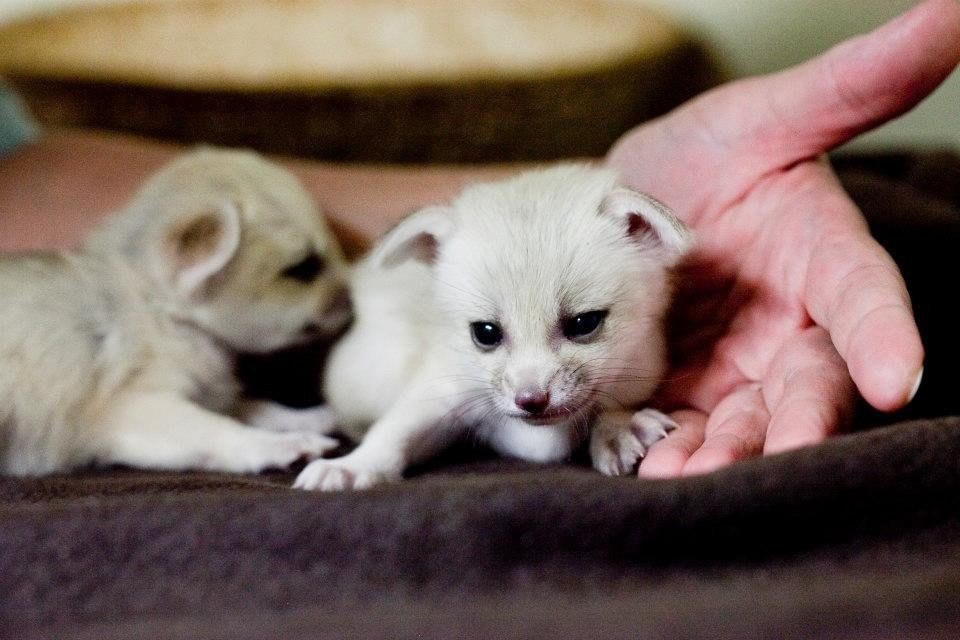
x=916, y=385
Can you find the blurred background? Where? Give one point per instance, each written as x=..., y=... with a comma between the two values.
x=518, y=115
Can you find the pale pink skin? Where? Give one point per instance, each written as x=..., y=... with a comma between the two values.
x=827, y=313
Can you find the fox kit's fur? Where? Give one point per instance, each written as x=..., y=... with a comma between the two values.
x=529, y=311
x=122, y=351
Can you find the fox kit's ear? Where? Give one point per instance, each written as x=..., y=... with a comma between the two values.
x=198, y=245
x=650, y=223
x=417, y=237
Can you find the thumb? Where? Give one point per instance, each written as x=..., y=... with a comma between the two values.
x=748, y=128
x=854, y=87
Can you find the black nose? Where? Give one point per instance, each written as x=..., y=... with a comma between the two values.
x=340, y=301
x=336, y=315
x=533, y=402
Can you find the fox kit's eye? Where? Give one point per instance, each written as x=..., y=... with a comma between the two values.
x=486, y=335
x=583, y=325
x=307, y=270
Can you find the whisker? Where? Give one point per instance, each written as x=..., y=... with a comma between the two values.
x=612, y=397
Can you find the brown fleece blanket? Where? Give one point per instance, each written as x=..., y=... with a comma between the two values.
x=855, y=538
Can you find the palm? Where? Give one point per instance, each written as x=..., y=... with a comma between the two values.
x=735, y=308
x=741, y=317
x=787, y=302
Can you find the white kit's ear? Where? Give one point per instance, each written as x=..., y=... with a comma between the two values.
x=650, y=223
x=417, y=237
x=196, y=246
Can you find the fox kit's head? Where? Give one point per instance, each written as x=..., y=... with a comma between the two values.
x=552, y=287
x=238, y=247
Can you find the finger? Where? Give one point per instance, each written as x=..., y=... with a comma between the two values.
x=854, y=290
x=857, y=85
x=666, y=458
x=809, y=391
x=735, y=430
x=700, y=384
x=747, y=128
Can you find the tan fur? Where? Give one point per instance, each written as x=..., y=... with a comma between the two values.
x=122, y=351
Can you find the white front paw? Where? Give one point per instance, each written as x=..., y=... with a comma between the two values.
x=319, y=419
x=276, y=417
x=340, y=474
x=650, y=426
x=617, y=446
x=280, y=450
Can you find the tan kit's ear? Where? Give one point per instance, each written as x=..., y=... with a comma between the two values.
x=198, y=245
x=650, y=223
x=417, y=237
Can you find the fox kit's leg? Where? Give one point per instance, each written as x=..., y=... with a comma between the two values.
x=165, y=431
x=264, y=414
x=620, y=439
x=414, y=429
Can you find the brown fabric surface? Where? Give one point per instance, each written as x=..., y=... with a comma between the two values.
x=856, y=538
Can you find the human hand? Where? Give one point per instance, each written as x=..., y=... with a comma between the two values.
x=787, y=302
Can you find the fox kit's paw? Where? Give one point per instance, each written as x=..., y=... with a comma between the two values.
x=276, y=417
x=340, y=474
x=617, y=446
x=319, y=419
x=280, y=450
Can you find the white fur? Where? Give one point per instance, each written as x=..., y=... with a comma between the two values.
x=122, y=351
x=525, y=253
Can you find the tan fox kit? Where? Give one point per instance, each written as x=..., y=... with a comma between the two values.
x=122, y=351
x=529, y=312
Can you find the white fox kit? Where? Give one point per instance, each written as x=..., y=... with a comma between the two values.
x=122, y=351
x=528, y=312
